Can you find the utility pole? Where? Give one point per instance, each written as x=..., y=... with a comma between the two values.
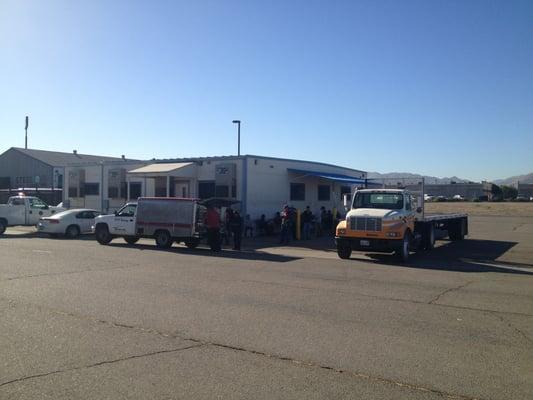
x=26, y=137
x=238, y=122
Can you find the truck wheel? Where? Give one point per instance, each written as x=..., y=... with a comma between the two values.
x=429, y=238
x=344, y=251
x=102, y=234
x=72, y=232
x=3, y=226
x=163, y=239
x=192, y=244
x=457, y=231
x=403, y=251
x=131, y=239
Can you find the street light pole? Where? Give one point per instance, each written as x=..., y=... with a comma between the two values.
x=238, y=122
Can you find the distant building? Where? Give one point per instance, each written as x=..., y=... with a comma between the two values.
x=34, y=170
x=524, y=189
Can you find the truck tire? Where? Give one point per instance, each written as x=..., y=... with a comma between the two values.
x=131, y=239
x=192, y=243
x=3, y=226
x=72, y=232
x=429, y=237
x=102, y=234
x=344, y=251
x=163, y=239
x=457, y=230
x=403, y=252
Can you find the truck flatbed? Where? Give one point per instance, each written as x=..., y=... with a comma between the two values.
x=440, y=217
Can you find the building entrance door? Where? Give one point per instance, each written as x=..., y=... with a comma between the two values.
x=181, y=189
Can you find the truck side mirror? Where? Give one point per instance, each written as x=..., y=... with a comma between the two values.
x=346, y=201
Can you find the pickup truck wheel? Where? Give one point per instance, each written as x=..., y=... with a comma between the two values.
x=403, y=251
x=430, y=237
x=344, y=252
x=192, y=244
x=3, y=226
x=163, y=239
x=131, y=239
x=72, y=232
x=102, y=235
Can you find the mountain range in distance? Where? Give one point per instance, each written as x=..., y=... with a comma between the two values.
x=408, y=178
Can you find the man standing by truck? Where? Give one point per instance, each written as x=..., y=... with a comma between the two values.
x=212, y=221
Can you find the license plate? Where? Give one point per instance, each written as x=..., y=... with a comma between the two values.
x=364, y=243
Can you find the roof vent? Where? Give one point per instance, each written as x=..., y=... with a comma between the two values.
x=123, y=157
x=75, y=151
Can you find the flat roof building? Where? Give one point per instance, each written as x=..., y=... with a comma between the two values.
x=259, y=184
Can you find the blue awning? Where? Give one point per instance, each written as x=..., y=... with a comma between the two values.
x=325, y=175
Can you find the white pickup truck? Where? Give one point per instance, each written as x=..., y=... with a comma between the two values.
x=24, y=210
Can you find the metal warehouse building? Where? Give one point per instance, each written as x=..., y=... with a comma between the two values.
x=260, y=185
x=40, y=170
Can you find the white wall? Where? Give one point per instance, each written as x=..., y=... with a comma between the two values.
x=268, y=186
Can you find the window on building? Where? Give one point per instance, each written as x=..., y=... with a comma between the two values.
x=222, y=191
x=5, y=182
x=113, y=192
x=324, y=192
x=297, y=191
x=92, y=189
x=135, y=190
x=73, y=192
x=206, y=189
x=60, y=181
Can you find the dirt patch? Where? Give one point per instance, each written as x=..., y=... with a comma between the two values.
x=488, y=209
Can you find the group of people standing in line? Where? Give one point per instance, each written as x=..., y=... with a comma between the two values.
x=311, y=224
x=234, y=226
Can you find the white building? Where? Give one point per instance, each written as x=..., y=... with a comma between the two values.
x=261, y=185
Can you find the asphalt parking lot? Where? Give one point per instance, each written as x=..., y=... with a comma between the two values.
x=84, y=321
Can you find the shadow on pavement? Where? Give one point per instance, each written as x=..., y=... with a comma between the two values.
x=470, y=255
x=251, y=255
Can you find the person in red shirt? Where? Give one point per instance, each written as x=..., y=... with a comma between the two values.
x=212, y=221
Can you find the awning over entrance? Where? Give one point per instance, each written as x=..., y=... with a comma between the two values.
x=165, y=169
x=329, y=176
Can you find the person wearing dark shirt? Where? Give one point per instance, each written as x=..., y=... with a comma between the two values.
x=236, y=230
x=307, y=219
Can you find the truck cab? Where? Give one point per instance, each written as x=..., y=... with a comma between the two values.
x=122, y=222
x=24, y=210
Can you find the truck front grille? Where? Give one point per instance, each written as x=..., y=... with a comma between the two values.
x=365, y=224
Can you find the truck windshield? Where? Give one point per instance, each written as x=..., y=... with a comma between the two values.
x=388, y=201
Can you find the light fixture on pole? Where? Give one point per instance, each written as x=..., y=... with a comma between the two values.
x=238, y=122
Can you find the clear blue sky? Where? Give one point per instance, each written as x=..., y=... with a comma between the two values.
x=435, y=87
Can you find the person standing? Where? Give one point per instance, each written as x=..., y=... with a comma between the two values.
x=236, y=229
x=212, y=221
x=248, y=226
x=307, y=219
x=285, y=225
